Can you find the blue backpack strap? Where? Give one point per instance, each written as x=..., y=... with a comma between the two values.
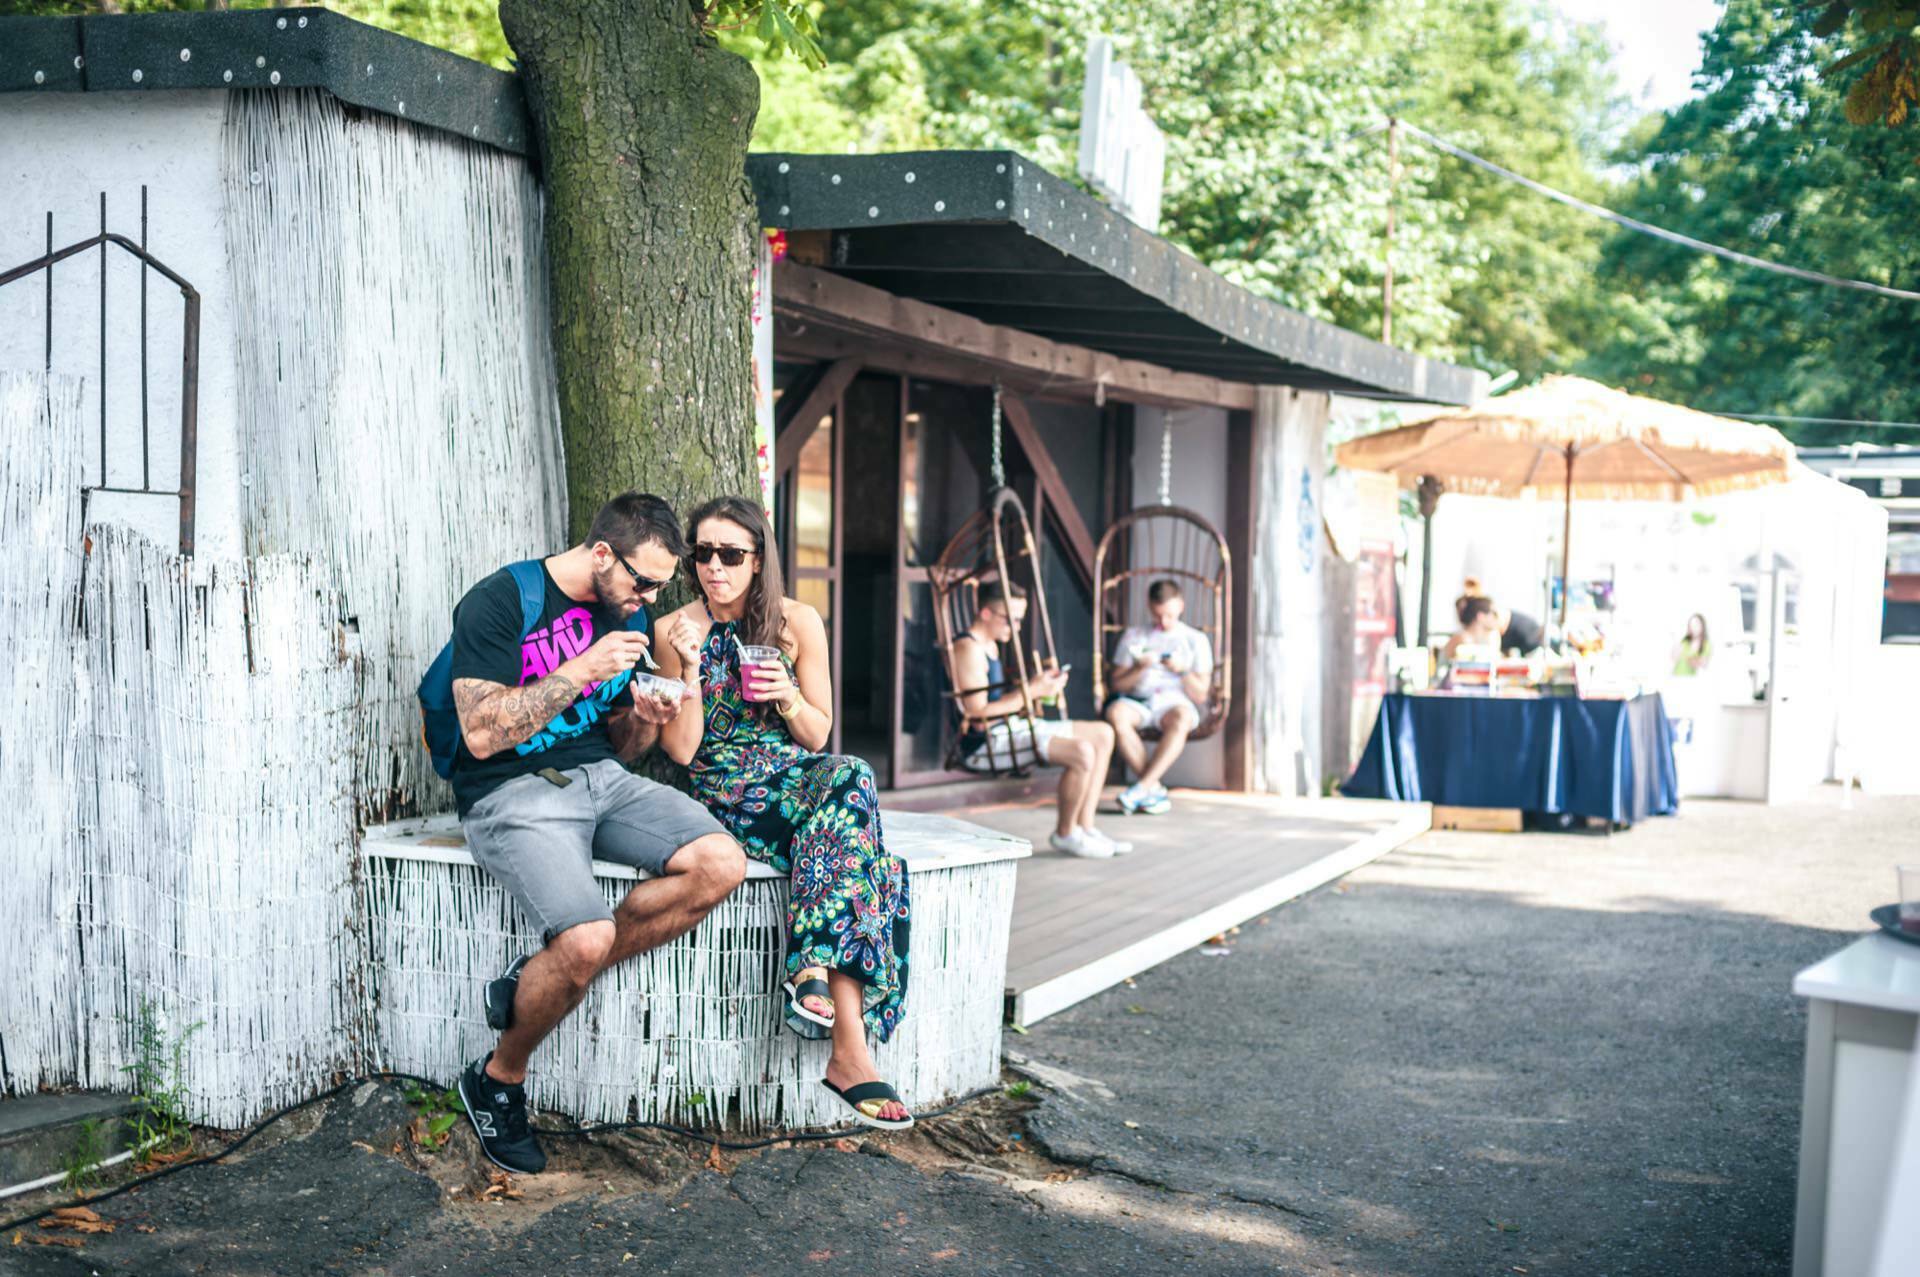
x=531, y=576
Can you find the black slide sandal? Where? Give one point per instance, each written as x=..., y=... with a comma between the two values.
x=809, y=989
x=861, y=1092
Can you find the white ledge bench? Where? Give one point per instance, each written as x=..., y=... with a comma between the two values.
x=691, y=1032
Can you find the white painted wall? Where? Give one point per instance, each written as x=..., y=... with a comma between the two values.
x=58, y=153
x=1199, y=482
x=1283, y=686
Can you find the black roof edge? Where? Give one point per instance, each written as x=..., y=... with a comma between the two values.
x=293, y=48
x=929, y=188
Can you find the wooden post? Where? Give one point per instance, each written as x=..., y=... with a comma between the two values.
x=1566, y=547
x=1242, y=478
x=1429, y=502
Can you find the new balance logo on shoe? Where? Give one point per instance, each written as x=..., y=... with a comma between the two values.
x=484, y=1121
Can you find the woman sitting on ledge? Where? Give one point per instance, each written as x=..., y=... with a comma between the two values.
x=758, y=663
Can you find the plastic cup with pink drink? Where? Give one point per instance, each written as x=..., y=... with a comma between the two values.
x=752, y=658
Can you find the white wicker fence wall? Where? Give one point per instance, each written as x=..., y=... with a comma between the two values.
x=398, y=408
x=39, y=587
x=215, y=823
x=699, y=1017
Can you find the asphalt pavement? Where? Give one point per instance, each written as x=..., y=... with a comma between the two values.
x=1484, y=1054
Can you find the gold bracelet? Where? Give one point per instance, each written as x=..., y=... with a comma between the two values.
x=780, y=707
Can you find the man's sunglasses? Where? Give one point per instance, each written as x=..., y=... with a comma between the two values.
x=641, y=583
x=730, y=555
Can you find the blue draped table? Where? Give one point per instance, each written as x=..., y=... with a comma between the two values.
x=1612, y=759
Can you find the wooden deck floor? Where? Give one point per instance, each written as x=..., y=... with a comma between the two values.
x=1216, y=860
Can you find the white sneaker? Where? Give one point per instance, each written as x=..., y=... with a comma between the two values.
x=1079, y=844
x=1120, y=846
x=1135, y=796
x=1158, y=802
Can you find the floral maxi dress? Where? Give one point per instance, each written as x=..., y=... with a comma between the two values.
x=816, y=818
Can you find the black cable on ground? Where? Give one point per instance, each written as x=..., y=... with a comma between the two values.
x=577, y=1132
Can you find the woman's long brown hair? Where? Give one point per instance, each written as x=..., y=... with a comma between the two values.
x=764, y=622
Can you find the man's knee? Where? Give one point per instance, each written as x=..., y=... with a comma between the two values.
x=1120, y=716
x=1184, y=717
x=1101, y=734
x=715, y=862
x=581, y=951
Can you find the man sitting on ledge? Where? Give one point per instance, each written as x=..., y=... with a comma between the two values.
x=547, y=719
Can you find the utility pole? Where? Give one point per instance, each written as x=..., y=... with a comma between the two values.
x=1393, y=184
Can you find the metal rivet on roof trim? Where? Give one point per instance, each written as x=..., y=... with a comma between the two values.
x=274, y=78
x=785, y=209
x=836, y=179
x=138, y=76
x=281, y=23
x=227, y=76
x=939, y=206
x=909, y=177
x=999, y=203
x=496, y=101
x=262, y=61
x=999, y=168
x=39, y=77
x=79, y=62
x=784, y=166
x=186, y=55
x=303, y=22
x=873, y=210
x=403, y=108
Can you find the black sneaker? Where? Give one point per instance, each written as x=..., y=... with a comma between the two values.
x=498, y=1111
x=500, y=992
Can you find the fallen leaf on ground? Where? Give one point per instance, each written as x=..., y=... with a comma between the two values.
x=363, y=1144
x=501, y=1189
x=1218, y=937
x=45, y=1239
x=144, y=1228
x=77, y=1219
x=948, y=1253
x=819, y=1255
x=715, y=1162
x=846, y=1146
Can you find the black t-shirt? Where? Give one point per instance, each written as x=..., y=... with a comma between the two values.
x=1523, y=634
x=487, y=645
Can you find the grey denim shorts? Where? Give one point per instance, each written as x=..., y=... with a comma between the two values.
x=539, y=840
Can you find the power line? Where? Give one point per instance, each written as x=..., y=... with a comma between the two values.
x=1819, y=421
x=1648, y=228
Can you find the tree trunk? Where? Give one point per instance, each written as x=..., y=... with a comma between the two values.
x=642, y=123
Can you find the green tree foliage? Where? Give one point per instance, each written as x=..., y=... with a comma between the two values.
x=1765, y=160
x=1265, y=180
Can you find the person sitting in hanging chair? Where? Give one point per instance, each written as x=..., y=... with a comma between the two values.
x=1082, y=749
x=753, y=735
x=1163, y=674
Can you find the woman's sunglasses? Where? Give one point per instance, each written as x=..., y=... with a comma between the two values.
x=729, y=555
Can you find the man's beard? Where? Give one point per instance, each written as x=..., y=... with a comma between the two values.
x=603, y=583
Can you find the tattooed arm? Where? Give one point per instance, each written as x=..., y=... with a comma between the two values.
x=494, y=718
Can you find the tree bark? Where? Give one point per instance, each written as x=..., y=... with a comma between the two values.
x=642, y=124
